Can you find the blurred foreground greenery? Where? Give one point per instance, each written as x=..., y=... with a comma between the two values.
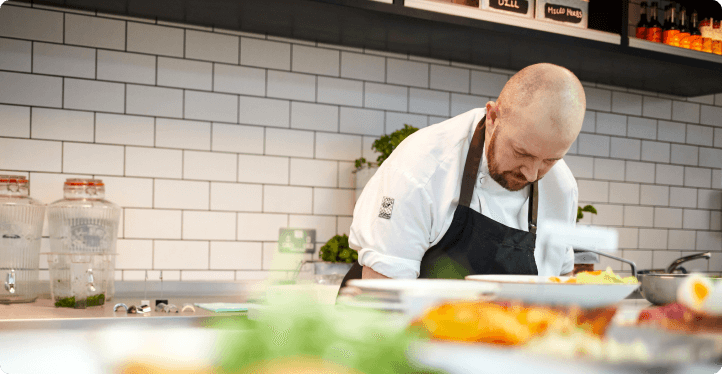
x=302, y=333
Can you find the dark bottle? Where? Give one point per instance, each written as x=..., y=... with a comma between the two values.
x=670, y=26
x=642, y=25
x=654, y=28
x=683, y=29
x=694, y=24
x=683, y=25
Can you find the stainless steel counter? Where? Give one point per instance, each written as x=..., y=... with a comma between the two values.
x=42, y=314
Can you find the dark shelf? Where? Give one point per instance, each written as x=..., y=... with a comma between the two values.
x=399, y=28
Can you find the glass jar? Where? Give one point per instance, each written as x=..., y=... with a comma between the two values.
x=84, y=222
x=21, y=226
x=80, y=279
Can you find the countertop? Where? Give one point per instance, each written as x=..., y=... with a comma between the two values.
x=42, y=314
x=97, y=340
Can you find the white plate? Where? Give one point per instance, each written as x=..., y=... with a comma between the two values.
x=414, y=296
x=539, y=290
x=442, y=287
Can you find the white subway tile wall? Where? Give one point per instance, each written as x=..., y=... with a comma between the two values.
x=211, y=142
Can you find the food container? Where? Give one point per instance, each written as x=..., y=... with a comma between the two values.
x=80, y=279
x=524, y=8
x=330, y=272
x=21, y=226
x=568, y=12
x=84, y=222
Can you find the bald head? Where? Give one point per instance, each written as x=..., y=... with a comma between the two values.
x=531, y=126
x=552, y=93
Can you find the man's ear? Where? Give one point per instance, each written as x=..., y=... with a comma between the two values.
x=492, y=113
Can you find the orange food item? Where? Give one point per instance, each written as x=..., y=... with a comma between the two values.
x=555, y=280
x=537, y=320
x=475, y=322
x=509, y=323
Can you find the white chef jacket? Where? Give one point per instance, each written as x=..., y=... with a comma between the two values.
x=422, y=180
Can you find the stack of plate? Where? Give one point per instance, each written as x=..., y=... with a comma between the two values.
x=413, y=296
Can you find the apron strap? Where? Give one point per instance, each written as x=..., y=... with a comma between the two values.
x=533, y=206
x=471, y=170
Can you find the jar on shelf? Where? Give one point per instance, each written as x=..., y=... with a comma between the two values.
x=716, y=38
x=21, y=227
x=706, y=30
x=80, y=279
x=84, y=222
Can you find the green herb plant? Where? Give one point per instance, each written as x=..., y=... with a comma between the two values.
x=587, y=208
x=70, y=302
x=385, y=145
x=67, y=302
x=338, y=250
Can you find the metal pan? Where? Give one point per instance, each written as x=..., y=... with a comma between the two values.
x=660, y=287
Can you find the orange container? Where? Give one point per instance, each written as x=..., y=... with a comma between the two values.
x=696, y=42
x=677, y=39
x=654, y=34
x=686, y=42
x=668, y=37
x=707, y=45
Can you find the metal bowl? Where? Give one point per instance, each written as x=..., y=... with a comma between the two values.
x=662, y=288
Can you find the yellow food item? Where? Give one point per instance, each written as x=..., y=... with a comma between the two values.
x=597, y=277
x=508, y=324
x=475, y=322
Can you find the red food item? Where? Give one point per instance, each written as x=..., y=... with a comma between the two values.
x=679, y=318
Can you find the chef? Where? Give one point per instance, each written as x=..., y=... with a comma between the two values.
x=465, y=196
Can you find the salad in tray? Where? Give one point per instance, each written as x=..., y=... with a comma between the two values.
x=596, y=277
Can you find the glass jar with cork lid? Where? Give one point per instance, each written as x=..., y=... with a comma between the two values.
x=83, y=222
x=21, y=226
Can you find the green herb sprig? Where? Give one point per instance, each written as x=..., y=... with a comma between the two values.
x=385, y=145
x=587, y=208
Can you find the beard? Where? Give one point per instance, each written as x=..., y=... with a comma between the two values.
x=510, y=179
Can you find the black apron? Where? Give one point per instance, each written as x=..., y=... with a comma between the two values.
x=474, y=243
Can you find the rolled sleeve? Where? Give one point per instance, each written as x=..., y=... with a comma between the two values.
x=392, y=246
x=390, y=266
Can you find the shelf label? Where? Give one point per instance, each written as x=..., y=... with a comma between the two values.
x=516, y=6
x=563, y=13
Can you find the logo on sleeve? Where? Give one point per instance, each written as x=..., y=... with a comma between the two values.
x=387, y=205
